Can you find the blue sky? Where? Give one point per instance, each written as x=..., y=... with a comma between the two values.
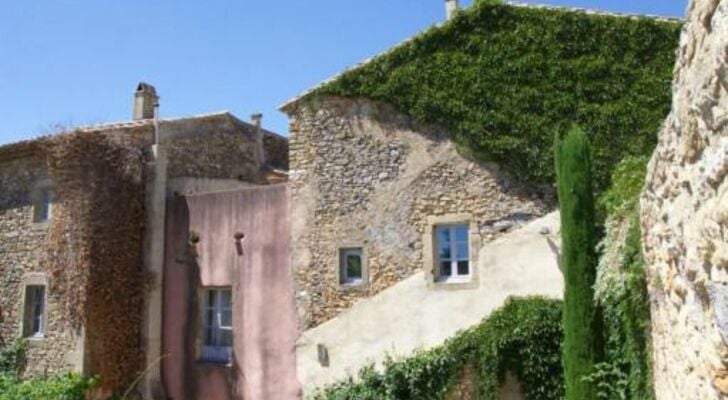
x=77, y=62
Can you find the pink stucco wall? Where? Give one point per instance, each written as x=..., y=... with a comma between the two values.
x=264, y=320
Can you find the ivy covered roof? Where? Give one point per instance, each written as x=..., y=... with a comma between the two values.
x=505, y=79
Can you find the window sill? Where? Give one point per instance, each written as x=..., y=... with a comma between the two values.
x=34, y=341
x=352, y=287
x=39, y=226
x=215, y=364
x=455, y=284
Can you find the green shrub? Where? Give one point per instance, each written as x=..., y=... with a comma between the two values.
x=502, y=79
x=621, y=290
x=58, y=387
x=523, y=337
x=68, y=386
x=579, y=261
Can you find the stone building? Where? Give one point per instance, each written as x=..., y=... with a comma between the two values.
x=398, y=239
x=685, y=217
x=176, y=157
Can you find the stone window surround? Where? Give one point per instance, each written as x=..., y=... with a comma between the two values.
x=36, y=196
x=364, y=284
x=428, y=251
x=33, y=279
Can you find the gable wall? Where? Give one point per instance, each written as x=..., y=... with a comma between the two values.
x=363, y=174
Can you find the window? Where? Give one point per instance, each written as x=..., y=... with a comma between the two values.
x=217, y=326
x=453, y=252
x=43, y=205
x=34, y=316
x=351, y=266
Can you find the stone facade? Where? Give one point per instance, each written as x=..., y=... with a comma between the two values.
x=215, y=150
x=21, y=251
x=685, y=217
x=364, y=175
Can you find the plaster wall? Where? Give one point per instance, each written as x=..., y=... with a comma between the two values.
x=258, y=272
x=411, y=315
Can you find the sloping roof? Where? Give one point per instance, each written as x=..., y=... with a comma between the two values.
x=292, y=101
x=28, y=146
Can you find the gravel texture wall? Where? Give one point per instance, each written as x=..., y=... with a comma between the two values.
x=685, y=217
x=363, y=175
x=21, y=251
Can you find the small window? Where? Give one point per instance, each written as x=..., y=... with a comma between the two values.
x=453, y=252
x=217, y=326
x=43, y=208
x=351, y=266
x=34, y=315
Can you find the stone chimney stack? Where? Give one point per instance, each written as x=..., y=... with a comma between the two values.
x=145, y=99
x=257, y=120
x=451, y=6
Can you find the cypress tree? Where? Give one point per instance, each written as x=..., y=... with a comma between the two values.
x=578, y=260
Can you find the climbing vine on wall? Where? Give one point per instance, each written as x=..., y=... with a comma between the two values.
x=523, y=338
x=621, y=290
x=94, y=249
x=502, y=79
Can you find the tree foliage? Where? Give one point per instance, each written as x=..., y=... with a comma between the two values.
x=579, y=260
x=503, y=78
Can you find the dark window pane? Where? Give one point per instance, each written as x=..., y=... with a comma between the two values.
x=353, y=266
x=463, y=267
x=444, y=252
x=226, y=318
x=226, y=299
x=445, y=269
x=226, y=338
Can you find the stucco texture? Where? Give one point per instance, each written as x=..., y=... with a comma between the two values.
x=264, y=324
x=411, y=314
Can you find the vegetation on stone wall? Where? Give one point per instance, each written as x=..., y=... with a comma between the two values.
x=58, y=387
x=621, y=290
x=94, y=247
x=523, y=337
x=503, y=78
x=582, y=324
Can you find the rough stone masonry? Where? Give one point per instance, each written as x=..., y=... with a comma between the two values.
x=685, y=217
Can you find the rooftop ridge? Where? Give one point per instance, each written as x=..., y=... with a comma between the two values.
x=116, y=125
x=300, y=96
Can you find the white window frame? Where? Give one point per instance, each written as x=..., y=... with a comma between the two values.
x=454, y=258
x=345, y=280
x=212, y=351
x=34, y=314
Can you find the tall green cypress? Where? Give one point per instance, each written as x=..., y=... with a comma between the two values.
x=579, y=261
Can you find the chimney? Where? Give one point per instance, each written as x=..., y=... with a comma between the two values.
x=451, y=6
x=145, y=99
x=257, y=120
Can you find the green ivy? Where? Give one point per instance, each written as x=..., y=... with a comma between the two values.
x=523, y=337
x=64, y=386
x=502, y=79
x=621, y=290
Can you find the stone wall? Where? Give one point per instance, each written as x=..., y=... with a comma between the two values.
x=219, y=147
x=215, y=151
x=364, y=175
x=685, y=217
x=21, y=249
